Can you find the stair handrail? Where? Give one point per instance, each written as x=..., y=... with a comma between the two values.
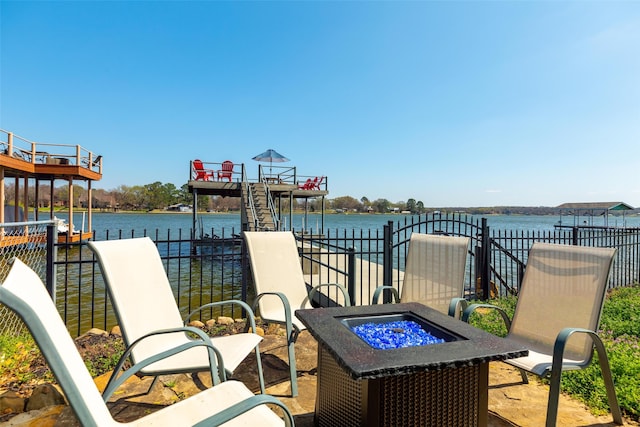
x=271, y=205
x=252, y=208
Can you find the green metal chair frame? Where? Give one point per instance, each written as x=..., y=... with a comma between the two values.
x=145, y=307
x=557, y=315
x=280, y=285
x=229, y=401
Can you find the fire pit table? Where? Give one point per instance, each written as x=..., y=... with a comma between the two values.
x=444, y=383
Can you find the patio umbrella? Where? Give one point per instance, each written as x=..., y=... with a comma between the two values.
x=271, y=156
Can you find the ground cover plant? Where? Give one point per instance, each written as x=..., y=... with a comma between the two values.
x=620, y=332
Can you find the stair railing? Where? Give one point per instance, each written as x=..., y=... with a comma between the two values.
x=252, y=208
x=271, y=205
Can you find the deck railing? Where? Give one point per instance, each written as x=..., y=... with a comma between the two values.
x=45, y=153
x=205, y=270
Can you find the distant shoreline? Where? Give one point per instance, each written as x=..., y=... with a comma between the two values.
x=484, y=211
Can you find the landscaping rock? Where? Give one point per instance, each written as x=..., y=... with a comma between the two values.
x=11, y=403
x=196, y=324
x=44, y=395
x=224, y=320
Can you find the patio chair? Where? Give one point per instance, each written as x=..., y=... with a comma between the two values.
x=226, y=171
x=306, y=185
x=144, y=303
x=280, y=286
x=316, y=183
x=557, y=316
x=434, y=273
x=25, y=294
x=202, y=174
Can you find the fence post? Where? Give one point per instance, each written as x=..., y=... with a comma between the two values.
x=574, y=236
x=50, y=279
x=387, y=259
x=244, y=266
x=351, y=274
x=485, y=261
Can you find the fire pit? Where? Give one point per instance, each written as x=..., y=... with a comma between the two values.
x=444, y=383
x=397, y=331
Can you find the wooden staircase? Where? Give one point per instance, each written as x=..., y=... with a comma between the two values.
x=257, y=215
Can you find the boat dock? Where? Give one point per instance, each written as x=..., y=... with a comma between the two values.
x=263, y=198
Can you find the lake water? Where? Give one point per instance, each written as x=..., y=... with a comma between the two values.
x=151, y=223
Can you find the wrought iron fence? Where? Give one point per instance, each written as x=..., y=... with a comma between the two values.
x=204, y=269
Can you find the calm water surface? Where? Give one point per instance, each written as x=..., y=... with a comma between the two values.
x=159, y=223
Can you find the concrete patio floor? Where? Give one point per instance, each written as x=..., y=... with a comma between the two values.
x=511, y=403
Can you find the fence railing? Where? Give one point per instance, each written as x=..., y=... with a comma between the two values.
x=207, y=269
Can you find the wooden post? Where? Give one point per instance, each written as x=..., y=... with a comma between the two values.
x=25, y=200
x=89, y=205
x=2, y=195
x=70, y=232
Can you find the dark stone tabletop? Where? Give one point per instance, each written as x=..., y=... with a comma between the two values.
x=362, y=361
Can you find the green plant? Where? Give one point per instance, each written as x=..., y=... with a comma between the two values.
x=489, y=319
x=621, y=312
x=105, y=358
x=17, y=356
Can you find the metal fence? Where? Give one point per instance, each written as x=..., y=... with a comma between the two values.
x=203, y=270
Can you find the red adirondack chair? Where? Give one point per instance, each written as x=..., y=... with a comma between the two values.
x=227, y=170
x=315, y=185
x=307, y=185
x=202, y=174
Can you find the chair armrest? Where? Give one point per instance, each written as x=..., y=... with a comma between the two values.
x=216, y=363
x=241, y=407
x=471, y=308
x=292, y=330
x=250, y=316
x=457, y=306
x=557, y=366
x=345, y=294
x=376, y=294
x=561, y=341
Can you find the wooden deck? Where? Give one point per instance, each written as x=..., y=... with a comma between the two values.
x=234, y=189
x=28, y=163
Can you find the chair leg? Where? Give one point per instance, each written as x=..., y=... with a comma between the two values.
x=153, y=383
x=523, y=374
x=608, y=379
x=292, y=335
x=260, y=373
x=554, y=394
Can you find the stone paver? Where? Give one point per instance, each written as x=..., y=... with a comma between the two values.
x=511, y=403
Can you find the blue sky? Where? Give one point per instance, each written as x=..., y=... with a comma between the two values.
x=452, y=103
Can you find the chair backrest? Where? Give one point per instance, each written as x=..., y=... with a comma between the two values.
x=25, y=294
x=198, y=167
x=227, y=166
x=563, y=286
x=308, y=184
x=316, y=182
x=227, y=170
x=139, y=290
x=435, y=269
x=275, y=264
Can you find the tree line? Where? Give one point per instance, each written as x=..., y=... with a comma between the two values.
x=159, y=196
